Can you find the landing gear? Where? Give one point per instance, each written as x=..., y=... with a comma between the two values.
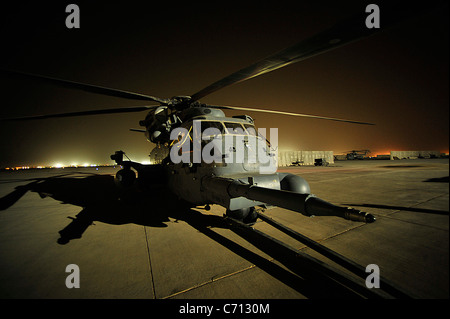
x=125, y=182
x=245, y=215
x=125, y=177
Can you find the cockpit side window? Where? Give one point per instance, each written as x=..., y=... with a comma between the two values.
x=251, y=130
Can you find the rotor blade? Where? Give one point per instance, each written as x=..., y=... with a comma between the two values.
x=83, y=113
x=137, y=130
x=84, y=87
x=342, y=33
x=287, y=113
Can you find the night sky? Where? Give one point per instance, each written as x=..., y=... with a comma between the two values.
x=397, y=79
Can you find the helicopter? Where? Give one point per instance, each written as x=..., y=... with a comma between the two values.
x=357, y=154
x=201, y=144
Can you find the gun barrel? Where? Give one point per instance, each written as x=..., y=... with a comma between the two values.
x=305, y=204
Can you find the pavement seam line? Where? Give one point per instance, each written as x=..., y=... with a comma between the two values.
x=335, y=235
x=212, y=280
x=150, y=263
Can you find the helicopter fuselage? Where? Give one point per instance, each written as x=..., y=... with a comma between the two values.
x=214, y=159
x=214, y=145
x=211, y=146
x=202, y=144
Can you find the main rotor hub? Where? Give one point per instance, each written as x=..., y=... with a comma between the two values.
x=180, y=102
x=183, y=102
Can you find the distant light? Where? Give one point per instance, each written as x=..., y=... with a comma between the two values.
x=58, y=165
x=86, y=165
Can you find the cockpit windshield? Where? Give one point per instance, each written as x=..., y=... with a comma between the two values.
x=234, y=128
x=213, y=124
x=204, y=125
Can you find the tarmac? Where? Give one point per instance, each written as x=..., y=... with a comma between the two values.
x=148, y=247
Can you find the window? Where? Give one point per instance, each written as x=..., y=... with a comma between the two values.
x=217, y=125
x=234, y=128
x=212, y=124
x=251, y=130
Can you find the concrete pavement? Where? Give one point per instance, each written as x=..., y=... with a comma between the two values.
x=151, y=249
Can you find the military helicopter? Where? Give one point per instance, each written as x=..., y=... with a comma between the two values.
x=178, y=125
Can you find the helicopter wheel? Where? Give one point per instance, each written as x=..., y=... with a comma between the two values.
x=245, y=215
x=125, y=178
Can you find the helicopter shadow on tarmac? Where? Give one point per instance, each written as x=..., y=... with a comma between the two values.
x=102, y=201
